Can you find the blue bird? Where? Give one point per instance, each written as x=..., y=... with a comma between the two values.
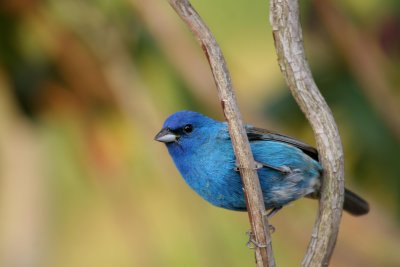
x=288, y=169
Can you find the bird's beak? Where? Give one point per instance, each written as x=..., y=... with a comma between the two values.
x=166, y=136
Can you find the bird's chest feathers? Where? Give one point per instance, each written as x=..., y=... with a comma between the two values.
x=208, y=168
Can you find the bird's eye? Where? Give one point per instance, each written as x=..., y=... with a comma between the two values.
x=188, y=128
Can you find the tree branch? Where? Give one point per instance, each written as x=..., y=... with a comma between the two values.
x=251, y=183
x=284, y=18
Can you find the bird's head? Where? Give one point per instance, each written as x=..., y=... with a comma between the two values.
x=185, y=129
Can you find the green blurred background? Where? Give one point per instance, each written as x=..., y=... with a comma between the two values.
x=85, y=86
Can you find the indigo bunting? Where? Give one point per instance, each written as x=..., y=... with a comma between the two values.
x=288, y=169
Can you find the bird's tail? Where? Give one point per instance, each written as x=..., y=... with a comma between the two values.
x=354, y=204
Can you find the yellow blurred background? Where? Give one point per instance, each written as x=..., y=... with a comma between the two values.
x=85, y=86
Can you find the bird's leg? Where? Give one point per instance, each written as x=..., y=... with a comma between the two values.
x=272, y=212
x=283, y=169
x=258, y=165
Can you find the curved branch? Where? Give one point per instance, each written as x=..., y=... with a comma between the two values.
x=284, y=18
x=251, y=183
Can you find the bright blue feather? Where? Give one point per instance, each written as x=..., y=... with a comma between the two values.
x=206, y=161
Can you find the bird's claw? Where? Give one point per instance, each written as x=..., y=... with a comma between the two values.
x=271, y=228
x=252, y=243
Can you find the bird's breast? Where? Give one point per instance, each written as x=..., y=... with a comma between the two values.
x=210, y=172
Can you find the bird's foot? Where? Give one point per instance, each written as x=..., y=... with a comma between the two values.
x=271, y=228
x=252, y=243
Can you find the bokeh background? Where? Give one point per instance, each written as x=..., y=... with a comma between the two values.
x=85, y=86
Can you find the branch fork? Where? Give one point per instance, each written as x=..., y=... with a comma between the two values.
x=284, y=18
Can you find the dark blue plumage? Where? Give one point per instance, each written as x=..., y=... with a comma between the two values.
x=202, y=151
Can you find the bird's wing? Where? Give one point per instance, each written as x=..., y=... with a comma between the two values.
x=255, y=134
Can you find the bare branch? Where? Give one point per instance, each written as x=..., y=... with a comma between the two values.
x=251, y=183
x=284, y=18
